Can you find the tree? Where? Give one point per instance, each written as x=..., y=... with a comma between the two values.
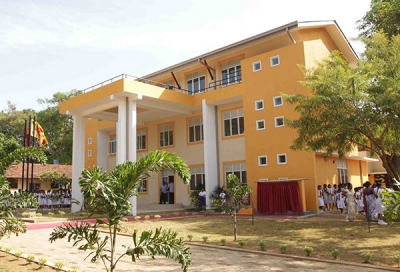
x=236, y=192
x=107, y=194
x=8, y=223
x=384, y=16
x=55, y=176
x=57, y=127
x=353, y=106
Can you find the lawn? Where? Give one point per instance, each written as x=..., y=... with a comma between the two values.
x=322, y=233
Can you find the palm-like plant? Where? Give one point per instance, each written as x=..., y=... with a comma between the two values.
x=10, y=224
x=108, y=194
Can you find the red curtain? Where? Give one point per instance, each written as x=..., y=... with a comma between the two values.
x=278, y=197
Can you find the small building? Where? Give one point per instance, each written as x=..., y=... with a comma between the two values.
x=14, y=176
x=222, y=112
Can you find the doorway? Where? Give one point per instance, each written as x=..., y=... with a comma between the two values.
x=168, y=177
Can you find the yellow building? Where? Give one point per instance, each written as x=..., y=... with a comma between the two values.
x=221, y=112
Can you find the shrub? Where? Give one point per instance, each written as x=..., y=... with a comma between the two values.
x=205, y=239
x=72, y=213
x=124, y=219
x=157, y=216
x=175, y=213
x=263, y=245
x=308, y=250
x=26, y=214
x=73, y=270
x=42, y=261
x=39, y=215
x=282, y=248
x=366, y=256
x=397, y=259
x=61, y=212
x=147, y=217
x=190, y=237
x=1, y=247
x=210, y=211
x=137, y=217
x=50, y=213
x=18, y=254
x=30, y=258
x=242, y=244
x=223, y=241
x=7, y=249
x=82, y=213
x=335, y=253
x=59, y=264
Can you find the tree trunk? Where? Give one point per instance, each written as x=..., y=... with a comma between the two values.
x=234, y=224
x=392, y=166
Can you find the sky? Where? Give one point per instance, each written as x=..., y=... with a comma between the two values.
x=49, y=46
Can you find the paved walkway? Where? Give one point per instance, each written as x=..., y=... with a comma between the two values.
x=35, y=241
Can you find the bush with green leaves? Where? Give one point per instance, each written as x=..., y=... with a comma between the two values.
x=61, y=213
x=7, y=250
x=38, y=214
x=147, y=217
x=308, y=250
x=190, y=237
x=366, y=256
x=137, y=217
x=42, y=261
x=59, y=264
x=263, y=245
x=51, y=214
x=194, y=195
x=26, y=214
x=396, y=258
x=205, y=239
x=242, y=244
x=107, y=194
x=73, y=270
x=18, y=254
x=30, y=258
x=223, y=241
x=335, y=254
x=157, y=216
x=282, y=248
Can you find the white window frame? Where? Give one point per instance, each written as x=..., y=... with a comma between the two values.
x=239, y=168
x=192, y=124
x=234, y=116
x=197, y=175
x=112, y=145
x=254, y=66
x=262, y=157
x=275, y=101
x=190, y=81
x=276, y=121
x=140, y=143
x=278, y=156
x=272, y=60
x=89, y=140
x=256, y=104
x=166, y=135
x=233, y=71
x=343, y=173
x=260, y=122
x=143, y=185
x=89, y=153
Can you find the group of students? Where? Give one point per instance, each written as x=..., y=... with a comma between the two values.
x=53, y=199
x=365, y=200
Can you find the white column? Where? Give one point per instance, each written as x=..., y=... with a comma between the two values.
x=78, y=160
x=121, y=131
x=210, y=148
x=132, y=145
x=102, y=149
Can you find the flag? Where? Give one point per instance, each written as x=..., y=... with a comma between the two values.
x=39, y=135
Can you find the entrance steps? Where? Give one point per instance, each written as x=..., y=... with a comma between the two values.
x=154, y=208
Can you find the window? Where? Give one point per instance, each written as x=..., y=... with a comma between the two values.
x=143, y=185
x=197, y=177
x=141, y=139
x=259, y=105
x=262, y=161
x=166, y=135
x=238, y=169
x=275, y=61
x=342, y=171
x=112, y=145
x=13, y=183
x=231, y=72
x=89, y=140
x=260, y=124
x=233, y=122
x=196, y=82
x=278, y=101
x=279, y=121
x=89, y=153
x=281, y=158
x=195, y=130
x=256, y=66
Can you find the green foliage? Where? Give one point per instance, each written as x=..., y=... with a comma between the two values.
x=61, y=213
x=147, y=217
x=18, y=254
x=55, y=176
x=396, y=258
x=353, y=106
x=263, y=245
x=383, y=16
x=26, y=214
x=205, y=239
x=392, y=205
x=335, y=254
x=283, y=248
x=308, y=250
x=157, y=216
x=242, y=244
x=7, y=249
x=107, y=194
x=39, y=215
x=137, y=217
x=30, y=258
x=194, y=195
x=51, y=214
x=59, y=264
x=42, y=261
x=190, y=237
x=223, y=241
x=23, y=201
x=366, y=256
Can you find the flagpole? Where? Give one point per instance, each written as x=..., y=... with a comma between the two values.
x=33, y=145
x=28, y=159
x=23, y=161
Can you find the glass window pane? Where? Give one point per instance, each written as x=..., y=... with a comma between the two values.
x=191, y=134
x=224, y=77
x=241, y=125
x=196, y=85
x=244, y=177
x=190, y=86
x=232, y=75
x=161, y=139
x=171, y=138
x=143, y=142
x=192, y=182
x=202, y=83
x=238, y=73
x=197, y=133
x=227, y=127
x=235, y=124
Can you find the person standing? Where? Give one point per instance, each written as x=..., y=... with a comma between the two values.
x=378, y=203
x=163, y=192
x=202, y=199
x=320, y=198
x=171, y=192
x=351, y=202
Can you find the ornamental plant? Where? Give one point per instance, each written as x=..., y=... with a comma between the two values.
x=366, y=256
x=18, y=254
x=42, y=261
x=205, y=239
x=335, y=253
x=242, y=244
x=190, y=237
x=7, y=249
x=223, y=241
x=397, y=259
x=263, y=245
x=59, y=264
x=282, y=248
x=308, y=250
x=30, y=258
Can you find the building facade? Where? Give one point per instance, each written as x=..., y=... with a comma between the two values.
x=221, y=112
